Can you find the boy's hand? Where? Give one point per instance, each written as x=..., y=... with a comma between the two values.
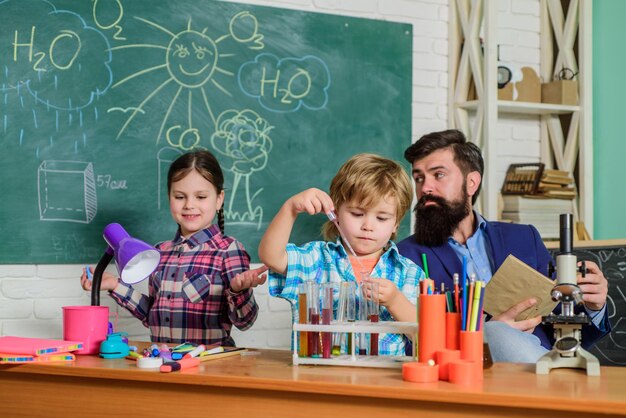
x=392, y=298
x=109, y=281
x=248, y=279
x=272, y=248
x=311, y=201
x=387, y=291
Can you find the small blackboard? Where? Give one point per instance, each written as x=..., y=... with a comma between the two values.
x=610, y=256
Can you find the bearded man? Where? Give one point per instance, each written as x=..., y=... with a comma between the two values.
x=448, y=170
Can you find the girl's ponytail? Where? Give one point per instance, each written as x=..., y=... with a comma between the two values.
x=220, y=219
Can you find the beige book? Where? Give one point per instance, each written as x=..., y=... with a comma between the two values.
x=557, y=180
x=515, y=282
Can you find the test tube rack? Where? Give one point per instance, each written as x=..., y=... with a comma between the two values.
x=354, y=328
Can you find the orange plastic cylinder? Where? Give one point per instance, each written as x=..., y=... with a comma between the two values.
x=465, y=372
x=453, y=329
x=471, y=343
x=431, y=334
x=420, y=372
x=444, y=358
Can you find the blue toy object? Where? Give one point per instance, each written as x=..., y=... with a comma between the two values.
x=114, y=346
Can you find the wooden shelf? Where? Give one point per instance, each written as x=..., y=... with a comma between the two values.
x=565, y=36
x=524, y=107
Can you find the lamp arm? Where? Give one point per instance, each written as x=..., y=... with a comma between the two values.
x=97, y=277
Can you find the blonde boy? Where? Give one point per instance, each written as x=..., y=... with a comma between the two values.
x=370, y=195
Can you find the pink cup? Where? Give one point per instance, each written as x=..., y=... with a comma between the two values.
x=86, y=324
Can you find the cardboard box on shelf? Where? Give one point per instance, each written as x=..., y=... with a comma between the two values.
x=528, y=89
x=560, y=92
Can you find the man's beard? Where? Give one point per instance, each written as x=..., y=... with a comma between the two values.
x=434, y=224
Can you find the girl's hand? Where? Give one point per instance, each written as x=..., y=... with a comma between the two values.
x=248, y=279
x=311, y=201
x=109, y=281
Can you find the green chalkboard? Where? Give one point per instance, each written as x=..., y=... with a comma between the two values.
x=98, y=97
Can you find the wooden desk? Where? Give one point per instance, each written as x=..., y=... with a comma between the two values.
x=268, y=386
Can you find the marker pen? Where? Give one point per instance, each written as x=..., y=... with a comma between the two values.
x=180, y=364
x=133, y=355
x=213, y=350
x=89, y=275
x=165, y=354
x=183, y=347
x=154, y=349
x=195, y=352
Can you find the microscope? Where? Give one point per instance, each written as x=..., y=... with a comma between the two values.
x=567, y=350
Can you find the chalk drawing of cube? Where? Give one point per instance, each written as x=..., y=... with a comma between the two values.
x=67, y=191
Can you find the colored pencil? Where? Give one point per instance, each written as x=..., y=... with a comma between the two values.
x=476, y=305
x=425, y=263
x=463, y=278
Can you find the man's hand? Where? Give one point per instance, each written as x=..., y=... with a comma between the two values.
x=509, y=316
x=594, y=286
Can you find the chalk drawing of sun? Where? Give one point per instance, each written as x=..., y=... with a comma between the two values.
x=192, y=61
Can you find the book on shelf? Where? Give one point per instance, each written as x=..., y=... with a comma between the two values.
x=535, y=203
x=553, y=186
x=556, y=180
x=531, y=217
x=556, y=184
x=555, y=177
x=547, y=224
x=564, y=193
x=555, y=173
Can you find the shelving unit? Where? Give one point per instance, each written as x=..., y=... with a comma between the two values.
x=524, y=107
x=354, y=328
x=564, y=25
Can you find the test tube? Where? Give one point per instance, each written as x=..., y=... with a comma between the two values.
x=373, y=313
x=303, y=318
x=350, y=309
x=363, y=317
x=327, y=315
x=341, y=315
x=313, y=299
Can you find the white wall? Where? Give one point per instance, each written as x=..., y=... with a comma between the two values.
x=31, y=296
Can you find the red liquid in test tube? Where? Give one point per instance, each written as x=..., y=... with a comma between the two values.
x=327, y=337
x=313, y=298
x=373, y=338
x=327, y=316
x=314, y=337
x=371, y=292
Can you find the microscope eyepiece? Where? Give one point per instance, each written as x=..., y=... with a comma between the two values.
x=566, y=236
